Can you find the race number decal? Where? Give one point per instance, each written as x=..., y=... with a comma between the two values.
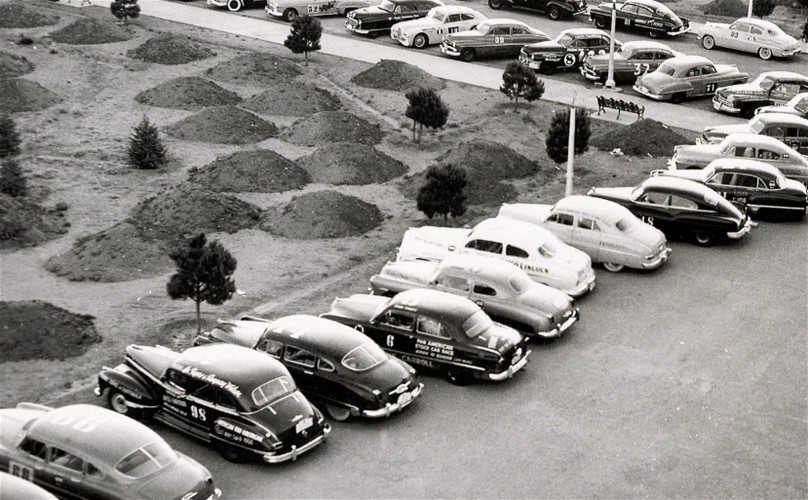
x=313, y=9
x=569, y=59
x=499, y=39
x=453, y=29
x=710, y=87
x=641, y=68
x=389, y=341
x=21, y=471
x=199, y=413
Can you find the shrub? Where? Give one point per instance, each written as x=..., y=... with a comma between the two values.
x=762, y=8
x=146, y=150
x=305, y=36
x=558, y=135
x=444, y=192
x=9, y=138
x=520, y=81
x=425, y=107
x=124, y=9
x=12, y=180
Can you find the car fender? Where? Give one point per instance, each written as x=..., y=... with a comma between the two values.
x=560, y=5
x=128, y=382
x=235, y=432
x=677, y=86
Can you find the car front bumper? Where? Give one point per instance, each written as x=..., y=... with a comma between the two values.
x=647, y=93
x=659, y=260
x=403, y=401
x=737, y=235
x=273, y=458
x=217, y=3
x=562, y=327
x=351, y=26
x=511, y=369
x=722, y=106
x=449, y=50
x=530, y=63
x=589, y=73
x=272, y=10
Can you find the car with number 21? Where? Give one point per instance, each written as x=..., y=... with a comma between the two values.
x=684, y=77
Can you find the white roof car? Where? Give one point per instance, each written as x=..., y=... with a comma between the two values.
x=747, y=34
x=440, y=21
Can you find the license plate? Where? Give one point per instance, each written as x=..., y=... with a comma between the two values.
x=405, y=398
x=304, y=424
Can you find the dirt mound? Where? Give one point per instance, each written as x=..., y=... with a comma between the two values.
x=18, y=94
x=641, y=138
x=12, y=65
x=190, y=93
x=488, y=159
x=15, y=15
x=223, y=125
x=728, y=8
x=257, y=171
x=255, y=68
x=170, y=49
x=39, y=330
x=24, y=224
x=120, y=253
x=397, y=75
x=332, y=126
x=186, y=210
x=350, y=163
x=322, y=214
x=293, y=98
x=89, y=31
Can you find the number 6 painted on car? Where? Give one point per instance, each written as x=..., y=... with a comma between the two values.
x=389, y=341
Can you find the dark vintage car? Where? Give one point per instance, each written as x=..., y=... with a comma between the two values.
x=684, y=77
x=567, y=50
x=681, y=207
x=555, y=9
x=436, y=330
x=242, y=402
x=491, y=38
x=630, y=61
x=339, y=368
x=762, y=188
x=797, y=106
x=648, y=16
x=85, y=451
x=771, y=87
x=236, y=5
x=790, y=129
x=378, y=19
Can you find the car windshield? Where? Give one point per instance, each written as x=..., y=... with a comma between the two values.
x=483, y=27
x=520, y=282
x=476, y=324
x=146, y=460
x=364, y=357
x=272, y=390
x=437, y=15
x=564, y=40
x=627, y=223
x=387, y=6
x=756, y=124
x=666, y=68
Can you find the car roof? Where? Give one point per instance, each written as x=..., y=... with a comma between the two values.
x=455, y=9
x=755, y=140
x=443, y=304
x=744, y=164
x=241, y=369
x=519, y=233
x=607, y=210
x=783, y=75
x=582, y=31
x=316, y=334
x=503, y=20
x=646, y=44
x=490, y=268
x=687, y=60
x=781, y=118
x=650, y=3
x=678, y=185
x=760, y=22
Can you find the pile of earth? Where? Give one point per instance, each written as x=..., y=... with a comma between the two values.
x=39, y=330
x=727, y=8
x=351, y=163
x=293, y=98
x=23, y=223
x=19, y=94
x=223, y=125
x=641, y=138
x=89, y=31
x=255, y=67
x=322, y=214
x=170, y=49
x=332, y=126
x=190, y=93
x=12, y=65
x=256, y=171
x=18, y=15
x=397, y=75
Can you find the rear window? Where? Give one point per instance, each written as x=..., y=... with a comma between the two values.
x=272, y=390
x=364, y=357
x=666, y=69
x=146, y=460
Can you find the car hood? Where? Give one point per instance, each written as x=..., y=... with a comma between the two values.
x=180, y=479
x=796, y=186
x=700, y=153
x=546, y=46
x=372, y=11
x=357, y=307
x=12, y=421
x=415, y=272
x=546, y=299
x=740, y=88
x=718, y=132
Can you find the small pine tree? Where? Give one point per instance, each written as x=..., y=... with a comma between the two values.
x=125, y=9
x=305, y=36
x=520, y=81
x=762, y=8
x=558, y=135
x=443, y=192
x=146, y=150
x=12, y=180
x=9, y=138
x=204, y=274
x=805, y=27
x=425, y=107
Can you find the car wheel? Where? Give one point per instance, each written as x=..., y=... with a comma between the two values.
x=654, y=34
x=290, y=15
x=337, y=413
x=467, y=55
x=420, y=41
x=612, y=267
x=230, y=453
x=765, y=53
x=600, y=22
x=118, y=402
x=495, y=4
x=678, y=97
x=234, y=5
x=554, y=13
x=708, y=42
x=459, y=376
x=704, y=239
x=746, y=112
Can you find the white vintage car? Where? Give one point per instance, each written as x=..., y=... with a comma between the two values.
x=797, y=105
x=506, y=292
x=607, y=232
x=440, y=21
x=746, y=34
x=536, y=250
x=289, y=10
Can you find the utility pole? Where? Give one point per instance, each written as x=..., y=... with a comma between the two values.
x=749, y=14
x=570, y=149
x=610, y=78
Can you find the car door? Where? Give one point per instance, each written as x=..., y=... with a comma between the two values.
x=433, y=341
x=519, y=38
x=393, y=330
x=587, y=236
x=652, y=208
x=644, y=17
x=686, y=215
x=175, y=401
x=643, y=62
x=65, y=471
x=561, y=224
x=502, y=39
x=628, y=14
x=30, y=461
x=736, y=40
x=482, y=293
x=302, y=364
x=453, y=24
x=404, y=12
x=754, y=39
x=782, y=92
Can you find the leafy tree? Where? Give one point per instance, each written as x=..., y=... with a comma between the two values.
x=204, y=274
x=125, y=9
x=762, y=8
x=558, y=135
x=520, y=81
x=425, y=107
x=12, y=180
x=146, y=150
x=305, y=36
x=9, y=138
x=444, y=192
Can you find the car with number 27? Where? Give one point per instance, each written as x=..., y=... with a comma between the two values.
x=684, y=77
x=440, y=21
x=491, y=38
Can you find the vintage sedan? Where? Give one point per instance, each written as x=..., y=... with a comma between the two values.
x=503, y=290
x=771, y=87
x=630, y=61
x=336, y=367
x=289, y=10
x=747, y=34
x=240, y=401
x=378, y=19
x=683, y=77
x=555, y=9
x=536, y=250
x=648, y=16
x=797, y=105
x=609, y=233
x=491, y=38
x=85, y=451
x=762, y=188
x=17, y=488
x=438, y=331
x=440, y=21
x=790, y=129
x=567, y=50
x=681, y=207
x=236, y=5
x=752, y=146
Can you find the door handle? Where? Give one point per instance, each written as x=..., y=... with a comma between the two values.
x=308, y=372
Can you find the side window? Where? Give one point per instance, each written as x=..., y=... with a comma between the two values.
x=34, y=448
x=453, y=282
x=745, y=152
x=502, y=30
x=431, y=327
x=722, y=178
x=324, y=365
x=271, y=347
x=94, y=472
x=563, y=219
x=708, y=70
x=67, y=460
x=630, y=9
x=790, y=132
x=485, y=246
x=299, y=357
x=176, y=379
x=587, y=223
x=745, y=180
x=756, y=30
x=656, y=198
x=466, y=17
x=516, y=252
x=679, y=202
x=693, y=72
x=397, y=319
x=518, y=31
x=454, y=18
x=765, y=154
x=481, y=289
x=645, y=12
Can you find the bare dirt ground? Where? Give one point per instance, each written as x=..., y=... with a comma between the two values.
x=106, y=256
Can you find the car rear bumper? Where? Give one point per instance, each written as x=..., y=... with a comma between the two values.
x=511, y=369
x=403, y=401
x=680, y=31
x=748, y=225
x=217, y=3
x=273, y=458
x=587, y=286
x=562, y=327
x=647, y=93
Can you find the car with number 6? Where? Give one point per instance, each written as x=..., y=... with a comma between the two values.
x=440, y=21
x=491, y=38
x=85, y=451
x=684, y=77
x=747, y=34
x=289, y=10
x=567, y=50
x=630, y=61
x=648, y=16
x=240, y=401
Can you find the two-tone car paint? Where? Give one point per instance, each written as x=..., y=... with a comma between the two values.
x=555, y=9
x=236, y=5
x=491, y=38
x=567, y=50
x=768, y=88
x=648, y=16
x=631, y=60
x=378, y=19
x=439, y=22
x=797, y=106
x=747, y=34
x=792, y=130
x=684, y=77
x=289, y=10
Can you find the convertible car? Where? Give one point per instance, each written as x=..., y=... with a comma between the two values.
x=683, y=77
